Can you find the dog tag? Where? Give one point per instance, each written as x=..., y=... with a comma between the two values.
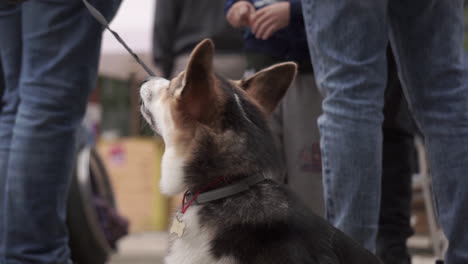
x=177, y=227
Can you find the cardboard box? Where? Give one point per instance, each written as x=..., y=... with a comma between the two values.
x=134, y=168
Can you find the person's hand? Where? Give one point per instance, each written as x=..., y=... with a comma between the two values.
x=270, y=19
x=240, y=14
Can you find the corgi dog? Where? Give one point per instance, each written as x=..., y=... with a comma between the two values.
x=220, y=151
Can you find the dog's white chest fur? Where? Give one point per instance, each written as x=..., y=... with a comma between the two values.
x=193, y=247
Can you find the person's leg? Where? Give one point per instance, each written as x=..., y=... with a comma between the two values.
x=427, y=37
x=347, y=41
x=10, y=61
x=301, y=141
x=397, y=168
x=394, y=221
x=61, y=44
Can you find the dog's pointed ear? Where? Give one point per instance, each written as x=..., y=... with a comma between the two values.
x=198, y=93
x=268, y=86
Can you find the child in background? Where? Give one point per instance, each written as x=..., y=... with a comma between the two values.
x=274, y=32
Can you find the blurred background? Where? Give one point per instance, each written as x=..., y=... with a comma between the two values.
x=124, y=166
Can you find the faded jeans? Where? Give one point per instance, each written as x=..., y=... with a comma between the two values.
x=348, y=40
x=49, y=52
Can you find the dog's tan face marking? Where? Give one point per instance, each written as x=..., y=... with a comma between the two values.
x=202, y=116
x=159, y=99
x=160, y=109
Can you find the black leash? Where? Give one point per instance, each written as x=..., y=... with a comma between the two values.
x=100, y=18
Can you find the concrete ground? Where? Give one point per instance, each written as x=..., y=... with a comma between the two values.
x=149, y=248
x=142, y=248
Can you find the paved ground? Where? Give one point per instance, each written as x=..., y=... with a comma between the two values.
x=149, y=248
x=144, y=248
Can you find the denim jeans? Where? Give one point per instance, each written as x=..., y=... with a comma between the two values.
x=348, y=40
x=49, y=51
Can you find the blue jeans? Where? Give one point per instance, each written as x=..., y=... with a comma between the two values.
x=347, y=41
x=49, y=52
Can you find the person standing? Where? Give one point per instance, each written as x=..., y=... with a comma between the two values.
x=348, y=41
x=294, y=122
x=49, y=52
